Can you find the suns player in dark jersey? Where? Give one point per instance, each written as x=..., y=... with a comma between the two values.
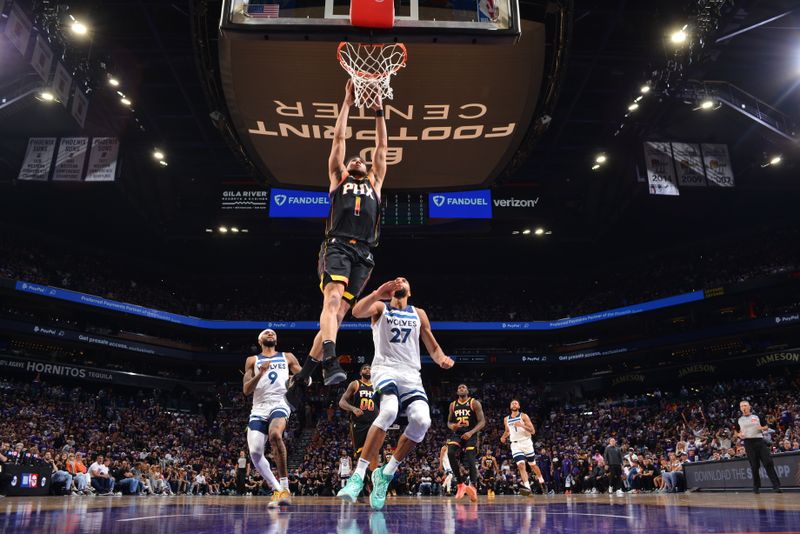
x=359, y=399
x=352, y=231
x=465, y=420
x=490, y=469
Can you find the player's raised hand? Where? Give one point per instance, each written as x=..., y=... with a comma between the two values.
x=503, y=439
x=358, y=412
x=349, y=93
x=378, y=104
x=386, y=291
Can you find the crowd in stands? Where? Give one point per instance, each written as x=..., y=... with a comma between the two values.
x=252, y=297
x=104, y=443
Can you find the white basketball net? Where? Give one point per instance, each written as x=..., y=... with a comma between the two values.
x=371, y=68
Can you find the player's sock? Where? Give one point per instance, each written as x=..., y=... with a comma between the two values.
x=391, y=467
x=309, y=366
x=361, y=468
x=328, y=350
x=284, y=483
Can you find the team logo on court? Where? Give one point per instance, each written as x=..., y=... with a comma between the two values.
x=280, y=200
x=438, y=200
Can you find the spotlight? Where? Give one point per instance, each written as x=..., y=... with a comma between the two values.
x=46, y=96
x=595, y=166
x=644, y=89
x=638, y=98
x=223, y=229
x=235, y=230
x=539, y=231
x=601, y=158
x=679, y=37
x=776, y=160
x=163, y=163
x=158, y=154
x=78, y=28
x=515, y=232
x=209, y=230
x=125, y=101
x=113, y=82
x=706, y=104
x=245, y=230
x=633, y=107
x=526, y=231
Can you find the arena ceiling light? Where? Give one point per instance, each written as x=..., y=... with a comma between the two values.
x=771, y=162
x=125, y=101
x=46, y=96
x=707, y=104
x=158, y=154
x=596, y=166
x=539, y=231
x=234, y=229
x=633, y=107
x=644, y=89
x=209, y=230
x=78, y=28
x=113, y=82
x=515, y=232
x=601, y=158
x=679, y=37
x=223, y=229
x=163, y=163
x=526, y=231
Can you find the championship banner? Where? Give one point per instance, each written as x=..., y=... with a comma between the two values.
x=42, y=58
x=80, y=107
x=660, y=171
x=62, y=83
x=18, y=29
x=689, y=164
x=70, y=159
x=103, y=160
x=718, y=165
x=38, y=159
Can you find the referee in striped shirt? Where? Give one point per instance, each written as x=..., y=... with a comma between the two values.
x=751, y=431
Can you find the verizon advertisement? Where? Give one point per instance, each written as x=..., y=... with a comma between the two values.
x=459, y=112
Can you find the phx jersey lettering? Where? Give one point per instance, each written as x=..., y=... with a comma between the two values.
x=268, y=401
x=364, y=399
x=463, y=412
x=355, y=212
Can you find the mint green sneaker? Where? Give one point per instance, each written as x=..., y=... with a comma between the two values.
x=380, y=484
x=352, y=489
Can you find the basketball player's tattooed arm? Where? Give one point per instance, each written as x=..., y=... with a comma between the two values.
x=506, y=431
x=527, y=424
x=294, y=365
x=378, y=169
x=251, y=378
x=336, y=168
x=371, y=305
x=345, y=405
x=476, y=405
x=436, y=352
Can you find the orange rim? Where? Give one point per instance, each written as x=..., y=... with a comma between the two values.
x=370, y=75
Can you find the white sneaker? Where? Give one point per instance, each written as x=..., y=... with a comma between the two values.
x=594, y=491
x=620, y=493
x=610, y=489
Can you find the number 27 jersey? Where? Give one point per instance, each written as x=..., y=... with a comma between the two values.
x=396, y=338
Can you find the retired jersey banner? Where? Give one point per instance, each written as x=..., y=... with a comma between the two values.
x=18, y=29
x=103, y=160
x=62, y=83
x=660, y=171
x=42, y=58
x=70, y=159
x=38, y=159
x=689, y=165
x=718, y=165
x=80, y=107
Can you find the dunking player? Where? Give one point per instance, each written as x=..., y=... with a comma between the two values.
x=465, y=420
x=396, y=330
x=345, y=258
x=265, y=377
x=520, y=429
x=359, y=399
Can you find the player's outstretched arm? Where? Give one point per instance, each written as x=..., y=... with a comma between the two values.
x=294, y=364
x=436, y=352
x=344, y=403
x=336, y=168
x=378, y=168
x=476, y=405
x=251, y=378
x=371, y=305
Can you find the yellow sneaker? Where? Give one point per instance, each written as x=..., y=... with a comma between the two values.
x=276, y=499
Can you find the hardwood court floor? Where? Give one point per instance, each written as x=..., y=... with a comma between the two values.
x=726, y=513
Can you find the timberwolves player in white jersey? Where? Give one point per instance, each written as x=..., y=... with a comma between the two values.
x=396, y=330
x=265, y=377
x=519, y=429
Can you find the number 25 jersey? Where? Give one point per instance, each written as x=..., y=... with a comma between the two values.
x=396, y=338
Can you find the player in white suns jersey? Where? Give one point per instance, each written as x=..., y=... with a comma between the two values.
x=519, y=430
x=265, y=377
x=396, y=330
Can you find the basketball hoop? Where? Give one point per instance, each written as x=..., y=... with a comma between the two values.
x=371, y=67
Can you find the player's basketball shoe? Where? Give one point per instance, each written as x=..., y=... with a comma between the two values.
x=352, y=489
x=380, y=484
x=332, y=372
x=472, y=493
x=462, y=489
x=280, y=498
x=525, y=491
x=294, y=392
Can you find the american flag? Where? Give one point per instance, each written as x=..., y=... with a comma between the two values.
x=263, y=11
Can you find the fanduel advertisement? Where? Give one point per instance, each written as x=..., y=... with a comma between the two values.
x=460, y=205
x=289, y=203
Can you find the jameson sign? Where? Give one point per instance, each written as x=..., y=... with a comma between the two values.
x=628, y=379
x=699, y=369
x=779, y=358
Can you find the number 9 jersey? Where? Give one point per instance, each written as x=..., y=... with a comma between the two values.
x=268, y=397
x=396, y=338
